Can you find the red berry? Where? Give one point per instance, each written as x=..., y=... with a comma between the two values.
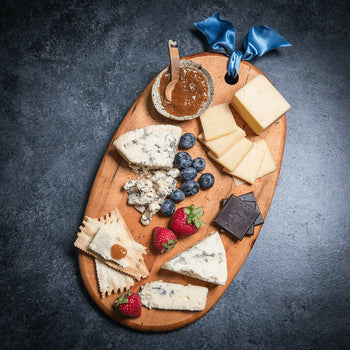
x=163, y=239
x=186, y=221
x=129, y=304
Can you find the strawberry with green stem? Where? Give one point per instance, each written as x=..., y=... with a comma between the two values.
x=186, y=221
x=163, y=239
x=129, y=304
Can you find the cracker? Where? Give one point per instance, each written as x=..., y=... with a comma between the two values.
x=115, y=223
x=110, y=280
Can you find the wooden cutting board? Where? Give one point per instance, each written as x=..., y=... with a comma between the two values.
x=107, y=194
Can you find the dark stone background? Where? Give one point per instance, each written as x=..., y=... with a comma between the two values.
x=70, y=70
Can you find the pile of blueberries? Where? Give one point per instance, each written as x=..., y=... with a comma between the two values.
x=189, y=169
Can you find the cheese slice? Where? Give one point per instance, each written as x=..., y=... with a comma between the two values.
x=231, y=158
x=237, y=181
x=259, y=103
x=110, y=280
x=218, y=121
x=248, y=168
x=206, y=260
x=222, y=144
x=172, y=296
x=152, y=147
x=268, y=165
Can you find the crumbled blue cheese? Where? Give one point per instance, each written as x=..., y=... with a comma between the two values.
x=148, y=193
x=152, y=147
x=206, y=260
x=172, y=296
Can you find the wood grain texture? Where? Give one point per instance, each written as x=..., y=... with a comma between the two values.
x=107, y=193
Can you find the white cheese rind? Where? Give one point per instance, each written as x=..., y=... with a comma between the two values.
x=172, y=296
x=206, y=261
x=152, y=147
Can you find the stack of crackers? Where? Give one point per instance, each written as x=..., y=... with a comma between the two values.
x=96, y=237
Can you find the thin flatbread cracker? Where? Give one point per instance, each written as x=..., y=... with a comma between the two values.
x=110, y=280
x=114, y=221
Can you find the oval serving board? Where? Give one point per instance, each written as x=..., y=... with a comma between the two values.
x=107, y=194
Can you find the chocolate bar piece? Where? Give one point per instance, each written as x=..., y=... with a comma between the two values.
x=250, y=231
x=251, y=198
x=236, y=217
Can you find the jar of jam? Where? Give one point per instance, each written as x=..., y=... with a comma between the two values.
x=191, y=96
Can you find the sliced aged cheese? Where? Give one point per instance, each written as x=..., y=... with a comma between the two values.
x=222, y=144
x=152, y=147
x=237, y=181
x=206, y=261
x=172, y=296
x=110, y=280
x=268, y=165
x=217, y=121
x=248, y=167
x=259, y=103
x=231, y=158
x=102, y=244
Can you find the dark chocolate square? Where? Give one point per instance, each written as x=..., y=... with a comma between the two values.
x=251, y=197
x=250, y=231
x=236, y=217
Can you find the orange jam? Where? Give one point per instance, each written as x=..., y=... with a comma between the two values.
x=118, y=252
x=189, y=95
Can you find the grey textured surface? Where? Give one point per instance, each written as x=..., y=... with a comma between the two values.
x=70, y=70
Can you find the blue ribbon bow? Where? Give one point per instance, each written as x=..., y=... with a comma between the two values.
x=221, y=37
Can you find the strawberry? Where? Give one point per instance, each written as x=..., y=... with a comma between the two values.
x=128, y=304
x=186, y=221
x=163, y=239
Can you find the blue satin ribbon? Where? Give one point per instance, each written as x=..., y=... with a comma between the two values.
x=221, y=37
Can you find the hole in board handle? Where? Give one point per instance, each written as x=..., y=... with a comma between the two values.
x=231, y=81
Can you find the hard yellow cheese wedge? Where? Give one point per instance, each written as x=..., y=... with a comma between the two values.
x=218, y=121
x=259, y=103
x=231, y=158
x=222, y=144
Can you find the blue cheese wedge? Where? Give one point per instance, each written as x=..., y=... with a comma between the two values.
x=206, y=260
x=152, y=147
x=172, y=296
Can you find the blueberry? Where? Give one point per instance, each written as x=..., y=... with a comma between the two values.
x=206, y=180
x=187, y=141
x=190, y=187
x=199, y=164
x=188, y=173
x=183, y=160
x=168, y=207
x=177, y=196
